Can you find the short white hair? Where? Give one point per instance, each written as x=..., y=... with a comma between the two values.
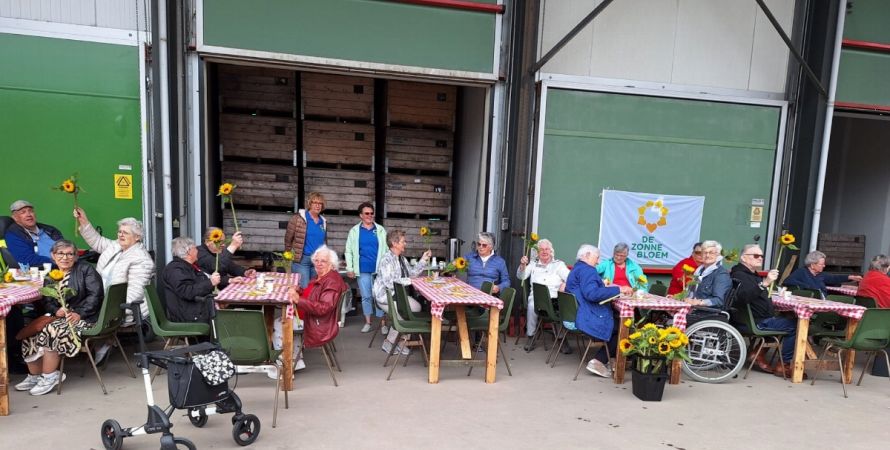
x=326, y=252
x=712, y=244
x=180, y=246
x=545, y=242
x=587, y=249
x=135, y=227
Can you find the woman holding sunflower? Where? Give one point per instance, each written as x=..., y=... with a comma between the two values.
x=546, y=270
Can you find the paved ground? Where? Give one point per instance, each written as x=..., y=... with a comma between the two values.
x=536, y=407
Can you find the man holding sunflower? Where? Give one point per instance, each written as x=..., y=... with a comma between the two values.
x=28, y=241
x=214, y=244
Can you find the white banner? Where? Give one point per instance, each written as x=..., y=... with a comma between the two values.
x=659, y=229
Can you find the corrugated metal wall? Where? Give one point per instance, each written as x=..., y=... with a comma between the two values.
x=120, y=14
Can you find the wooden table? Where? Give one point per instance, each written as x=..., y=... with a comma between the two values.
x=804, y=308
x=626, y=306
x=11, y=294
x=452, y=292
x=246, y=293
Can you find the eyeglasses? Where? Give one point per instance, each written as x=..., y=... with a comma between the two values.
x=755, y=255
x=483, y=245
x=710, y=252
x=317, y=203
x=64, y=255
x=368, y=213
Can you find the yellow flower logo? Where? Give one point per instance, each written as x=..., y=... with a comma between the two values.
x=657, y=207
x=460, y=263
x=226, y=189
x=56, y=274
x=69, y=186
x=424, y=231
x=787, y=239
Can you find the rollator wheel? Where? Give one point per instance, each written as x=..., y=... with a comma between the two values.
x=112, y=437
x=246, y=430
x=199, y=421
x=184, y=443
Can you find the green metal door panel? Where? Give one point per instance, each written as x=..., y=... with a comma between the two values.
x=864, y=77
x=69, y=107
x=868, y=20
x=593, y=141
x=358, y=30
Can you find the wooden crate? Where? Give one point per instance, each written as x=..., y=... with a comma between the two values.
x=415, y=244
x=246, y=136
x=338, y=143
x=416, y=194
x=263, y=230
x=256, y=88
x=343, y=190
x=337, y=230
x=262, y=184
x=338, y=97
x=422, y=105
x=843, y=252
x=429, y=150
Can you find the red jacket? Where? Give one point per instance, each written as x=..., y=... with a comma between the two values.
x=320, y=310
x=677, y=275
x=877, y=286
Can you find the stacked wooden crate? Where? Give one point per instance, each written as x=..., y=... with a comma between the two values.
x=419, y=153
x=844, y=253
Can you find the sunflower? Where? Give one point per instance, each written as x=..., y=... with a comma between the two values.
x=424, y=231
x=7, y=277
x=684, y=339
x=635, y=336
x=650, y=326
x=56, y=274
x=625, y=345
x=215, y=236
x=642, y=279
x=226, y=188
x=288, y=255
x=69, y=186
x=534, y=237
x=628, y=323
x=688, y=269
x=652, y=340
x=787, y=239
x=460, y=263
x=664, y=348
x=675, y=343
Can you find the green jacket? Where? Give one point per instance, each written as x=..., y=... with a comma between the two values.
x=351, y=252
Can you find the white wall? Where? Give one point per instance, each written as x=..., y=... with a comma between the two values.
x=726, y=44
x=119, y=14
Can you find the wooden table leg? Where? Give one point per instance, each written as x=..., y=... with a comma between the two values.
x=675, y=371
x=269, y=315
x=435, y=348
x=800, y=349
x=492, y=362
x=847, y=370
x=462, y=331
x=620, y=360
x=287, y=351
x=4, y=370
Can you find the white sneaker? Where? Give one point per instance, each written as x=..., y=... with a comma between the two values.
x=102, y=352
x=387, y=347
x=384, y=329
x=47, y=383
x=28, y=383
x=299, y=365
x=272, y=372
x=596, y=367
x=366, y=328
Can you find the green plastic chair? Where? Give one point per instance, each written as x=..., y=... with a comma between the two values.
x=829, y=324
x=841, y=298
x=658, y=288
x=760, y=339
x=487, y=287
x=508, y=296
x=405, y=328
x=809, y=293
x=570, y=302
x=546, y=314
x=170, y=331
x=401, y=295
x=867, y=302
x=110, y=318
x=568, y=312
x=871, y=336
x=242, y=334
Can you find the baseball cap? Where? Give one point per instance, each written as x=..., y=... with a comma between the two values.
x=19, y=204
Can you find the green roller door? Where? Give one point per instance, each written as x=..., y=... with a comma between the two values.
x=594, y=141
x=69, y=106
x=864, y=75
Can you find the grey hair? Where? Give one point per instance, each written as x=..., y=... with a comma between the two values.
x=712, y=244
x=586, y=249
x=63, y=243
x=332, y=257
x=620, y=247
x=485, y=236
x=209, y=231
x=180, y=246
x=545, y=241
x=880, y=262
x=392, y=237
x=135, y=227
x=749, y=247
x=813, y=257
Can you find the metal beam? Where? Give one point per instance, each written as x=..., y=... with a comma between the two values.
x=806, y=67
x=568, y=37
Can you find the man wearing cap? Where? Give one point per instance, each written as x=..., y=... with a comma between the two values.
x=29, y=241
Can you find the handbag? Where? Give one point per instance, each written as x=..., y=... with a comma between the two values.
x=34, y=327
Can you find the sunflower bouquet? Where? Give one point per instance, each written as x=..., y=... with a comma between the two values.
x=70, y=186
x=785, y=241
x=654, y=347
x=61, y=294
x=225, y=192
x=458, y=265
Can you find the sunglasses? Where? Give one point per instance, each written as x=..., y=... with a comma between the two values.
x=755, y=255
x=368, y=213
x=699, y=252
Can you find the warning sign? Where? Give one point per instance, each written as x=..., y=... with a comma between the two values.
x=123, y=186
x=756, y=214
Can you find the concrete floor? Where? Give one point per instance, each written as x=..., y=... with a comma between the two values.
x=536, y=407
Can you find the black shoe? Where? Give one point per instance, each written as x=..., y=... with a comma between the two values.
x=566, y=350
x=529, y=345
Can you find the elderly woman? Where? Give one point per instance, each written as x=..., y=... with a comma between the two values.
x=678, y=274
x=594, y=319
x=42, y=351
x=811, y=276
x=619, y=269
x=365, y=247
x=393, y=267
x=713, y=279
x=306, y=232
x=546, y=270
x=876, y=283
x=483, y=265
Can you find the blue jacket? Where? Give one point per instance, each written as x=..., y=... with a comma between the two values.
x=593, y=319
x=714, y=287
x=21, y=246
x=495, y=271
x=606, y=269
x=804, y=279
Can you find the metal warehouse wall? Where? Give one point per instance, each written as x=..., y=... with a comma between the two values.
x=118, y=14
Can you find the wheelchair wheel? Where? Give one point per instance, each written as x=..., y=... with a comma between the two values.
x=199, y=421
x=246, y=430
x=112, y=437
x=716, y=352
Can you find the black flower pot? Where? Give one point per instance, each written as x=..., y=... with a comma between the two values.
x=648, y=387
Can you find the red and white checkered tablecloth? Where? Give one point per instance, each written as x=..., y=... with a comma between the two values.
x=844, y=290
x=246, y=291
x=805, y=307
x=626, y=306
x=17, y=293
x=452, y=291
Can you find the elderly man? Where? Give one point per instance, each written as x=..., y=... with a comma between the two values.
x=546, y=270
x=593, y=319
x=185, y=285
x=619, y=269
x=754, y=292
x=713, y=279
x=208, y=251
x=811, y=277
x=677, y=273
x=28, y=241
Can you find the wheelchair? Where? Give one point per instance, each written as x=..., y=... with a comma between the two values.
x=716, y=349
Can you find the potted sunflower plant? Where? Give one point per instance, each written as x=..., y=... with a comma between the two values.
x=653, y=349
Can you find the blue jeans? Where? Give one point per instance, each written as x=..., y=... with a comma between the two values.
x=366, y=285
x=780, y=323
x=305, y=269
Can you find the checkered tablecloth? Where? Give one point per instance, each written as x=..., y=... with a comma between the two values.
x=844, y=290
x=626, y=306
x=16, y=293
x=247, y=293
x=805, y=307
x=451, y=291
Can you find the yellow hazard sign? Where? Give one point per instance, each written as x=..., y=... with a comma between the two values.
x=756, y=214
x=123, y=186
